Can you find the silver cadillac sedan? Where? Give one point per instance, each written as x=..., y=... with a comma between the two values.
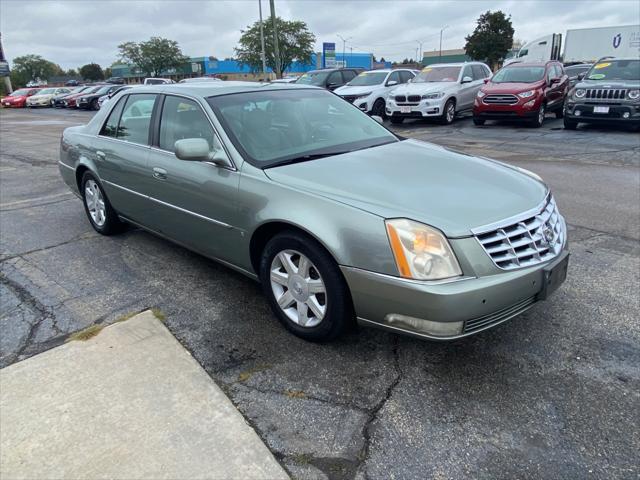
x=337, y=217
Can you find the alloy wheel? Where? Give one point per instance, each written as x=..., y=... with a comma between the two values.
x=95, y=203
x=451, y=112
x=541, y=113
x=298, y=288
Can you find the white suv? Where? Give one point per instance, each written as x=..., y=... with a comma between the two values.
x=369, y=90
x=440, y=91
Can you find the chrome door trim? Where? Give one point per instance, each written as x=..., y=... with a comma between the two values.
x=60, y=162
x=170, y=205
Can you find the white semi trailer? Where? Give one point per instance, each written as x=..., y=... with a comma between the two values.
x=583, y=45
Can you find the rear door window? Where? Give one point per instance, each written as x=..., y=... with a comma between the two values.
x=136, y=118
x=110, y=127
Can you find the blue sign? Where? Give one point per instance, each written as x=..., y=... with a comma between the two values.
x=328, y=55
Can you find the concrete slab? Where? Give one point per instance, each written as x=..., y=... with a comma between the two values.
x=128, y=403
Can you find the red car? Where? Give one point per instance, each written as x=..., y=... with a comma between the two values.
x=70, y=100
x=522, y=91
x=18, y=98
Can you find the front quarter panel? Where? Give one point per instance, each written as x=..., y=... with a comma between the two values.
x=75, y=152
x=352, y=236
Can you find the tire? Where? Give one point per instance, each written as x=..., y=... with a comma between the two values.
x=570, y=124
x=378, y=108
x=316, y=317
x=449, y=112
x=538, y=120
x=101, y=215
x=95, y=105
x=560, y=112
x=396, y=120
x=478, y=121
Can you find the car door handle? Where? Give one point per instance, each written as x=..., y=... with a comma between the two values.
x=159, y=173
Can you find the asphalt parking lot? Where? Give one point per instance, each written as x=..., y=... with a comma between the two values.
x=554, y=393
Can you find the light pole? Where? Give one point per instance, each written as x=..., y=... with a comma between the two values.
x=420, y=56
x=276, y=50
x=344, y=42
x=264, y=59
x=443, y=29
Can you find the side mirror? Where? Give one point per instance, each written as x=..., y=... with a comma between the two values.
x=582, y=75
x=377, y=119
x=555, y=80
x=391, y=83
x=332, y=86
x=193, y=149
x=467, y=79
x=486, y=80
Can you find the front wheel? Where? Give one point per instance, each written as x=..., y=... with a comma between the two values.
x=560, y=112
x=538, y=120
x=305, y=287
x=570, y=124
x=449, y=113
x=478, y=121
x=102, y=216
x=378, y=108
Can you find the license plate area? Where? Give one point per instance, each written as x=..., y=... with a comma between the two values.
x=553, y=275
x=600, y=109
x=405, y=109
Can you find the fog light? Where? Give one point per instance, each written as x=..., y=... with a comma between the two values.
x=577, y=113
x=418, y=325
x=625, y=115
x=530, y=103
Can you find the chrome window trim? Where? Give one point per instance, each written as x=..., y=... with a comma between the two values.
x=111, y=139
x=170, y=205
x=511, y=220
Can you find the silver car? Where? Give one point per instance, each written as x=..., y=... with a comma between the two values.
x=336, y=216
x=440, y=91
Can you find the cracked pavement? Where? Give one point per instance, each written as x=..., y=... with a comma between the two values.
x=552, y=393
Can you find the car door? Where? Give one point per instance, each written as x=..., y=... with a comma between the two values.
x=468, y=89
x=121, y=153
x=193, y=202
x=554, y=86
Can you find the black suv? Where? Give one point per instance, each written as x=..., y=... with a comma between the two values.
x=608, y=93
x=329, y=78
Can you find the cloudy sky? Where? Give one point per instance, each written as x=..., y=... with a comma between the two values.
x=74, y=32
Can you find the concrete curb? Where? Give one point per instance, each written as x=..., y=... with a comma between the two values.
x=128, y=403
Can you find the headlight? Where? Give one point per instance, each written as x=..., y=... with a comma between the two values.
x=634, y=94
x=580, y=92
x=480, y=94
x=421, y=252
x=527, y=94
x=432, y=96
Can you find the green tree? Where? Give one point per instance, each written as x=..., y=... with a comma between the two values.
x=153, y=56
x=491, y=39
x=91, y=72
x=31, y=68
x=108, y=73
x=295, y=42
x=71, y=73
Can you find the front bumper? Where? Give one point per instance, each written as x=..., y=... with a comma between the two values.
x=476, y=304
x=626, y=113
x=422, y=109
x=525, y=109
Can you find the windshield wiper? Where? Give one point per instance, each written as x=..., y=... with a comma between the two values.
x=305, y=158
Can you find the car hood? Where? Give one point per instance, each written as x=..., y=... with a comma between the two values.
x=420, y=88
x=630, y=84
x=42, y=97
x=511, y=87
x=13, y=99
x=451, y=191
x=355, y=90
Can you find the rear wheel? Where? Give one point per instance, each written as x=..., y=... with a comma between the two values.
x=397, y=120
x=378, y=108
x=478, y=121
x=305, y=287
x=102, y=216
x=570, y=124
x=449, y=113
x=538, y=120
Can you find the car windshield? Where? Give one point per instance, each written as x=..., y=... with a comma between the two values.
x=153, y=81
x=576, y=70
x=437, y=74
x=19, y=93
x=103, y=90
x=368, y=78
x=46, y=91
x=519, y=75
x=615, y=70
x=313, y=78
x=285, y=126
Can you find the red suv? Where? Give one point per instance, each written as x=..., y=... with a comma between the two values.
x=522, y=91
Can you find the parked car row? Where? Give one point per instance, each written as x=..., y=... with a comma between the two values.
x=605, y=92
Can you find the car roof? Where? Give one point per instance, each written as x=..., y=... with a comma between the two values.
x=212, y=89
x=455, y=64
x=334, y=69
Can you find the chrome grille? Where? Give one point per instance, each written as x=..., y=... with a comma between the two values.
x=527, y=242
x=495, y=99
x=605, y=93
x=413, y=98
x=401, y=98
